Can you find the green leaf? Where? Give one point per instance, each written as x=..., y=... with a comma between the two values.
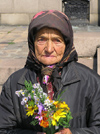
x=35, y=122
x=31, y=103
x=28, y=85
x=58, y=98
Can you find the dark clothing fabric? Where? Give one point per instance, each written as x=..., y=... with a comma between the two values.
x=82, y=94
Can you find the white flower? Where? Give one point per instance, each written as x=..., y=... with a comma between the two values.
x=56, y=127
x=29, y=96
x=23, y=94
x=44, y=94
x=37, y=100
x=47, y=103
x=36, y=85
x=40, y=90
x=26, y=105
x=18, y=93
x=24, y=100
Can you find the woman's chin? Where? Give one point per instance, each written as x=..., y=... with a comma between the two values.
x=48, y=62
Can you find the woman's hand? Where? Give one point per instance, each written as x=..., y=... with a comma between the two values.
x=64, y=131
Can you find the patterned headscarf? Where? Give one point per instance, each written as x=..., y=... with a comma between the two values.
x=56, y=20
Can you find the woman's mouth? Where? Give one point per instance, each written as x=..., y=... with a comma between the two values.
x=49, y=56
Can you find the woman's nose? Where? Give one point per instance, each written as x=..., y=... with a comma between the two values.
x=49, y=46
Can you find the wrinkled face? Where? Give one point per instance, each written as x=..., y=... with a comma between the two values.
x=49, y=46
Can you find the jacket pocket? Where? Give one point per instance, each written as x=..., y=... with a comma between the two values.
x=79, y=120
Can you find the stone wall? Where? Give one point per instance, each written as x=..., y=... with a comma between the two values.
x=99, y=12
x=20, y=12
x=94, y=11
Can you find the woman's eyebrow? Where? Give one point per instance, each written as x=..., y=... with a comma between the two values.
x=46, y=36
x=58, y=37
x=40, y=36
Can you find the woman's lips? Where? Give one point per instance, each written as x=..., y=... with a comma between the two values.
x=49, y=56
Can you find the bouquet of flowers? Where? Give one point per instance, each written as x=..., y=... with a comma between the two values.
x=49, y=114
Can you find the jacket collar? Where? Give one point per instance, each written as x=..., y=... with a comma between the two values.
x=70, y=74
x=27, y=75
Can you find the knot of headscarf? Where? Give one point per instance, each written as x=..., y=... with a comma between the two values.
x=46, y=73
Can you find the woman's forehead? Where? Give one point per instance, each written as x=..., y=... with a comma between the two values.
x=46, y=30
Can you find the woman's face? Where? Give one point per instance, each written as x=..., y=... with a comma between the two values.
x=49, y=46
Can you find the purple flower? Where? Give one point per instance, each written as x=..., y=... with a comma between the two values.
x=22, y=102
x=40, y=107
x=37, y=100
x=45, y=79
x=39, y=118
x=29, y=96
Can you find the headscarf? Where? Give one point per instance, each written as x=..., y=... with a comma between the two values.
x=56, y=20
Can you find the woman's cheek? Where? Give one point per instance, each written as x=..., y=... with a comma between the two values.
x=60, y=50
x=39, y=49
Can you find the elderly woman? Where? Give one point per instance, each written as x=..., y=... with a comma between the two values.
x=52, y=54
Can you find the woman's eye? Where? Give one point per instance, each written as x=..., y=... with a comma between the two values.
x=41, y=40
x=57, y=41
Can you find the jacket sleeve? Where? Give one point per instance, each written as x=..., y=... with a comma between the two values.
x=93, y=114
x=17, y=131
x=8, y=120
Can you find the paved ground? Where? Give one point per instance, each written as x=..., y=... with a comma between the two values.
x=14, y=47
x=13, y=42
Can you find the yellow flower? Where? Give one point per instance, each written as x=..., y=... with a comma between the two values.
x=61, y=105
x=23, y=93
x=57, y=115
x=31, y=110
x=56, y=103
x=64, y=105
x=54, y=122
x=32, y=91
x=49, y=99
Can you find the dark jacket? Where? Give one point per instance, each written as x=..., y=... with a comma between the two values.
x=82, y=94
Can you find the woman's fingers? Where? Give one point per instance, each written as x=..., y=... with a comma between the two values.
x=63, y=131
